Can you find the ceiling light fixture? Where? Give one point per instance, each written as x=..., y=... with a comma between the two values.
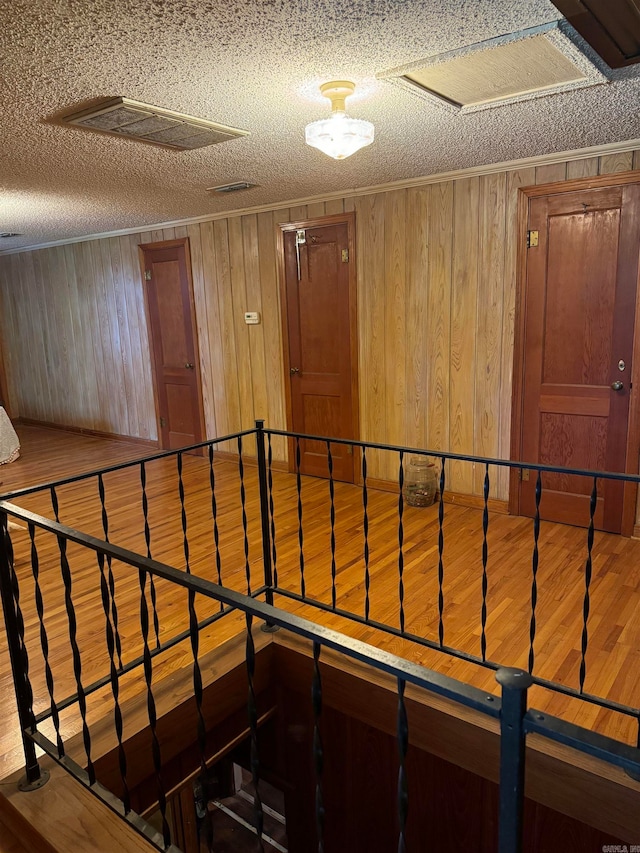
x=339, y=136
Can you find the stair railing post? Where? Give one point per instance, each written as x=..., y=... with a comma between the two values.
x=264, y=515
x=34, y=777
x=514, y=683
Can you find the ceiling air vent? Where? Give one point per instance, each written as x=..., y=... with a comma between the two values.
x=232, y=188
x=133, y=120
x=519, y=66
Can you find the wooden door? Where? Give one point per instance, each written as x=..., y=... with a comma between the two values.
x=167, y=278
x=578, y=345
x=320, y=342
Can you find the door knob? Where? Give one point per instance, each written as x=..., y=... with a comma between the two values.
x=294, y=370
x=189, y=365
x=617, y=385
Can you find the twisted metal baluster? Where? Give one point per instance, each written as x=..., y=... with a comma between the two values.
x=183, y=513
x=300, y=533
x=15, y=590
x=274, y=553
x=112, y=582
x=534, y=572
x=247, y=568
x=54, y=503
x=318, y=753
x=365, y=533
x=151, y=708
x=194, y=631
x=65, y=571
x=587, y=582
x=401, y=540
x=485, y=555
x=214, y=516
x=403, y=745
x=252, y=709
x=440, y=553
x=332, y=520
x=44, y=639
x=147, y=539
x=115, y=684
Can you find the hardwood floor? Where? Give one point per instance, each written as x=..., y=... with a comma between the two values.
x=613, y=657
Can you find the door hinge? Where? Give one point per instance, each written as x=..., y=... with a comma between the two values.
x=345, y=256
x=163, y=423
x=349, y=450
x=147, y=275
x=523, y=474
x=532, y=239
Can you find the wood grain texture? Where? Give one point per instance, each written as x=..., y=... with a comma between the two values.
x=515, y=180
x=417, y=316
x=438, y=329
x=76, y=343
x=551, y=173
x=611, y=163
x=395, y=322
x=614, y=627
x=370, y=223
x=464, y=313
x=490, y=319
x=582, y=168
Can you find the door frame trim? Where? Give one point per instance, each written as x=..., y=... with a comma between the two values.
x=525, y=194
x=169, y=244
x=347, y=218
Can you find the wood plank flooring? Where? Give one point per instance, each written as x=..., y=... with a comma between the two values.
x=613, y=657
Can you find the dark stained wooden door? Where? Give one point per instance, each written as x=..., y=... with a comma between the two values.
x=580, y=309
x=171, y=316
x=320, y=323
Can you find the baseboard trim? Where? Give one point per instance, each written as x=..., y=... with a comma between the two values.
x=113, y=436
x=252, y=461
x=471, y=501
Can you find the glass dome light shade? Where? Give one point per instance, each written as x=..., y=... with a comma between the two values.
x=339, y=136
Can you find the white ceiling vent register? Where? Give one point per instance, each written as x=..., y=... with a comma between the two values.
x=519, y=66
x=134, y=120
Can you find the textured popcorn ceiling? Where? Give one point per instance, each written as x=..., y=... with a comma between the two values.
x=255, y=65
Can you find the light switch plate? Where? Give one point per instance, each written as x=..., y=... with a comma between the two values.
x=252, y=318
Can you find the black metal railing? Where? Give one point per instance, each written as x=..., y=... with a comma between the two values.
x=257, y=546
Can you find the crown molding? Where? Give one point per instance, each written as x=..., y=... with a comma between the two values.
x=407, y=183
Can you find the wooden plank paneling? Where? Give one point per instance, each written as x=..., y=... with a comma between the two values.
x=417, y=315
x=227, y=324
x=208, y=326
x=335, y=205
x=239, y=301
x=515, y=180
x=463, y=324
x=611, y=163
x=490, y=314
x=254, y=303
x=582, y=168
x=316, y=209
x=274, y=365
x=438, y=328
x=395, y=323
x=370, y=213
x=551, y=173
x=436, y=303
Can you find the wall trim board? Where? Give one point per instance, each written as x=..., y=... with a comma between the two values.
x=113, y=436
x=459, y=498
x=406, y=183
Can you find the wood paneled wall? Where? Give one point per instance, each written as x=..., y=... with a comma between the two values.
x=436, y=302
